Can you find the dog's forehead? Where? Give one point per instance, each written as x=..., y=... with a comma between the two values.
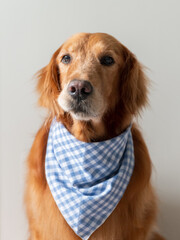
x=88, y=41
x=76, y=42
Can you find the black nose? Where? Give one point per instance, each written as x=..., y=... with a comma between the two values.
x=80, y=89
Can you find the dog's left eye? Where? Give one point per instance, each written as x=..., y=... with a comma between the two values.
x=107, y=61
x=66, y=59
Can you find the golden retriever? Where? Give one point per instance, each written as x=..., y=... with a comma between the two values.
x=99, y=62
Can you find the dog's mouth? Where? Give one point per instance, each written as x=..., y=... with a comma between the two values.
x=79, y=106
x=81, y=110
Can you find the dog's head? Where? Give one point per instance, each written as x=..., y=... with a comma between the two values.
x=93, y=78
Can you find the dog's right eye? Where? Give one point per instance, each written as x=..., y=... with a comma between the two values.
x=66, y=59
x=107, y=61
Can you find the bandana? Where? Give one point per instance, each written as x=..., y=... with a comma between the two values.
x=87, y=180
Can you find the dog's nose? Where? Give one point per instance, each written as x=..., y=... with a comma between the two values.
x=80, y=89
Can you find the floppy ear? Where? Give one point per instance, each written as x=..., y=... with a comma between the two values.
x=49, y=84
x=133, y=84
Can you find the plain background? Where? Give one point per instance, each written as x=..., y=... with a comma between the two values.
x=31, y=31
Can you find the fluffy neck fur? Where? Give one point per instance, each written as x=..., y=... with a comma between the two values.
x=97, y=130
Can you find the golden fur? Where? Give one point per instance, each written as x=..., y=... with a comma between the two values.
x=120, y=92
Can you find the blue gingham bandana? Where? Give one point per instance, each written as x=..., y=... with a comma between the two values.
x=87, y=180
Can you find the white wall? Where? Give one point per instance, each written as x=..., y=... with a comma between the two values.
x=31, y=31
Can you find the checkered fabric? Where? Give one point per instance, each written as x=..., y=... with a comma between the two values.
x=87, y=180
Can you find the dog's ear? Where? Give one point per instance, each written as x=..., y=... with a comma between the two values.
x=133, y=84
x=49, y=84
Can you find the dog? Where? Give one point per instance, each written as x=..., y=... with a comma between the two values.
x=112, y=89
